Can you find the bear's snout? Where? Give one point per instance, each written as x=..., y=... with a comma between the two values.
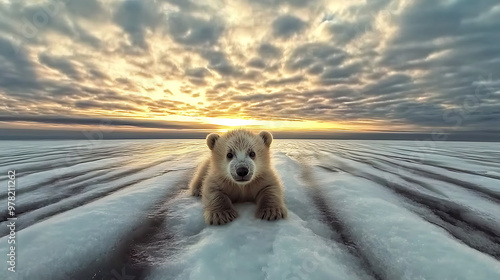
x=242, y=171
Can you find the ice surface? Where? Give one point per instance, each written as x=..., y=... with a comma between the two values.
x=357, y=210
x=399, y=243
x=250, y=248
x=88, y=236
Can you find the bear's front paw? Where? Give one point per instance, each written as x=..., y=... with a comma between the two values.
x=195, y=188
x=196, y=191
x=220, y=217
x=271, y=213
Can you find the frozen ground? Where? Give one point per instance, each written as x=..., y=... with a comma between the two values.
x=357, y=210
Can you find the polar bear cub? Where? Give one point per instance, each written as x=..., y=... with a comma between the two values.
x=238, y=170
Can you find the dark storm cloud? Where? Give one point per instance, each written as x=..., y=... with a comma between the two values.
x=199, y=73
x=85, y=9
x=405, y=54
x=245, y=87
x=342, y=73
x=398, y=109
x=16, y=65
x=387, y=85
x=183, y=4
x=284, y=81
x=361, y=20
x=29, y=22
x=105, y=121
x=269, y=51
x=293, y=3
x=258, y=97
x=468, y=29
x=91, y=104
x=257, y=63
x=60, y=64
x=189, y=30
x=98, y=74
x=452, y=44
x=286, y=26
x=135, y=17
x=314, y=53
x=344, y=32
x=219, y=62
x=421, y=64
x=316, y=69
x=427, y=20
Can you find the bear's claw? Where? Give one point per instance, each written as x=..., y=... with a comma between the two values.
x=196, y=192
x=195, y=189
x=222, y=217
x=271, y=214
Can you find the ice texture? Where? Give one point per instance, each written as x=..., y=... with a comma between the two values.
x=120, y=209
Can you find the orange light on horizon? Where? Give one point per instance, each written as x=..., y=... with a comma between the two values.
x=283, y=125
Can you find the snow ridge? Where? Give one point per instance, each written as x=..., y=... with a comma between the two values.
x=357, y=210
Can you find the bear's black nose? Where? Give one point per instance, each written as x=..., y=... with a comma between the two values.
x=242, y=171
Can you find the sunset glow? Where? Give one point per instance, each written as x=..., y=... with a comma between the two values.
x=286, y=65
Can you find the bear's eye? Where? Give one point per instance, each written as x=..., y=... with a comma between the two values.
x=229, y=155
x=252, y=154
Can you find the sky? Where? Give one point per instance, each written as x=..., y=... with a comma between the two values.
x=291, y=66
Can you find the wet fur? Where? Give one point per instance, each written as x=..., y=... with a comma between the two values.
x=218, y=189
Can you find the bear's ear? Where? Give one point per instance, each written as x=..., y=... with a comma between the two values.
x=211, y=139
x=267, y=137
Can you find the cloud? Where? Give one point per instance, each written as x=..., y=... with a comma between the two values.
x=275, y=3
x=88, y=104
x=309, y=54
x=424, y=21
x=269, y=51
x=104, y=121
x=284, y=81
x=406, y=65
x=60, y=64
x=390, y=84
x=219, y=62
x=339, y=73
x=286, y=26
x=88, y=9
x=197, y=72
x=344, y=32
x=18, y=74
x=184, y=5
x=257, y=63
x=189, y=30
x=28, y=22
x=135, y=17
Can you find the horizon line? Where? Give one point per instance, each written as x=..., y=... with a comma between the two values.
x=10, y=134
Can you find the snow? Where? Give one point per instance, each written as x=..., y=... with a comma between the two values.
x=391, y=234
x=357, y=210
x=85, y=236
x=258, y=249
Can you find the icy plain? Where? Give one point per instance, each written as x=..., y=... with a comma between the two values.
x=357, y=210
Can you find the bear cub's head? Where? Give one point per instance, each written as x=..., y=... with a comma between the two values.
x=240, y=155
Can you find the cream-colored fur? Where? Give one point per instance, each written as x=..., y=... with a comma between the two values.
x=218, y=188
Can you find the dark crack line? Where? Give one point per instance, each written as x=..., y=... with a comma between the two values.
x=331, y=218
x=448, y=214
x=88, y=199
